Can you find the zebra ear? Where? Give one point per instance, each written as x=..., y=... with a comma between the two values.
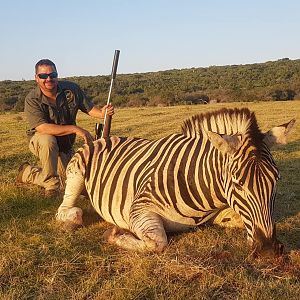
x=227, y=144
x=277, y=135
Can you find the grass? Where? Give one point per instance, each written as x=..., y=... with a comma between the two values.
x=39, y=261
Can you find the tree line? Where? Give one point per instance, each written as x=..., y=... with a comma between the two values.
x=269, y=81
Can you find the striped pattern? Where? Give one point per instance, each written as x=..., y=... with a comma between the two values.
x=250, y=183
x=182, y=180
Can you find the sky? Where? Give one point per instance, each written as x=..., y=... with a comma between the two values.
x=80, y=36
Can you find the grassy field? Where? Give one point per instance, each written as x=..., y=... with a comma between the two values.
x=39, y=261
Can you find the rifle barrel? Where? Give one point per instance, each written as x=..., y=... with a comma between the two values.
x=107, y=119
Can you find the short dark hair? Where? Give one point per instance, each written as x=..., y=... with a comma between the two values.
x=44, y=62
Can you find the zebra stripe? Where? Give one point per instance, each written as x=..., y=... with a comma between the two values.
x=220, y=161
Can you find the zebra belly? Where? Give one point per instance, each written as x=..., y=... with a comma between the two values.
x=115, y=218
x=175, y=222
x=171, y=226
x=109, y=208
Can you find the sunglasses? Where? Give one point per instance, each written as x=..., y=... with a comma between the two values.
x=45, y=75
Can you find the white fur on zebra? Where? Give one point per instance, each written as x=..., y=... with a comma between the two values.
x=219, y=169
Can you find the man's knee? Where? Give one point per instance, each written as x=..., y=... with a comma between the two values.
x=47, y=141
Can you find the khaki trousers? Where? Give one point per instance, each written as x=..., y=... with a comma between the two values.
x=52, y=173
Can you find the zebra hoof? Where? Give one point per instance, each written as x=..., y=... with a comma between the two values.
x=71, y=218
x=110, y=235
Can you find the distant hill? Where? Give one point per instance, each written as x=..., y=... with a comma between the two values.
x=269, y=81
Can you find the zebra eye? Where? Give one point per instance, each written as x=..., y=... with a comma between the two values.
x=241, y=182
x=238, y=183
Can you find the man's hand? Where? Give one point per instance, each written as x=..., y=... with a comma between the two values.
x=84, y=134
x=109, y=108
x=98, y=113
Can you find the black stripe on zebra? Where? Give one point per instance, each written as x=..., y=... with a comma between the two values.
x=219, y=169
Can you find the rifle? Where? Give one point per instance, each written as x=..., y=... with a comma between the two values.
x=102, y=131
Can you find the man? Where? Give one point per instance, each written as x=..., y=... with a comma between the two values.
x=51, y=110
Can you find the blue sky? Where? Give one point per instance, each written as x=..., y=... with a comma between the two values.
x=80, y=36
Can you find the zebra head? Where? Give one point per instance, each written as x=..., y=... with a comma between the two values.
x=250, y=178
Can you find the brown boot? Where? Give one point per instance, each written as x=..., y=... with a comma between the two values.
x=21, y=172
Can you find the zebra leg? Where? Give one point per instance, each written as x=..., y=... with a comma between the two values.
x=148, y=234
x=227, y=217
x=67, y=213
x=148, y=227
x=124, y=239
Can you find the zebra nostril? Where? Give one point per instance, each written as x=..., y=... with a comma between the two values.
x=279, y=248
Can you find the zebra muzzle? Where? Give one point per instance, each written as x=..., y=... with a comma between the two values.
x=269, y=250
x=266, y=247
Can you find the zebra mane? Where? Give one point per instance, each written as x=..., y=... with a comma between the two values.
x=225, y=121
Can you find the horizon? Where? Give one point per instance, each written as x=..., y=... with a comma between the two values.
x=80, y=38
x=174, y=69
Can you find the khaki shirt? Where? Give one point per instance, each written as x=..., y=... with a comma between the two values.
x=69, y=99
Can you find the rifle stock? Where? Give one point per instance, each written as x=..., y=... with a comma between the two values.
x=106, y=127
x=98, y=131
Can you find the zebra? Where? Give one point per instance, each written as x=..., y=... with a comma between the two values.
x=219, y=169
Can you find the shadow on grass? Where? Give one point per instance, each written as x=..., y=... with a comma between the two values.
x=287, y=203
x=25, y=204
x=11, y=161
x=9, y=165
x=290, y=236
x=288, y=189
x=289, y=147
x=90, y=217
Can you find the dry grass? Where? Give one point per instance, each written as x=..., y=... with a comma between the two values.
x=38, y=261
